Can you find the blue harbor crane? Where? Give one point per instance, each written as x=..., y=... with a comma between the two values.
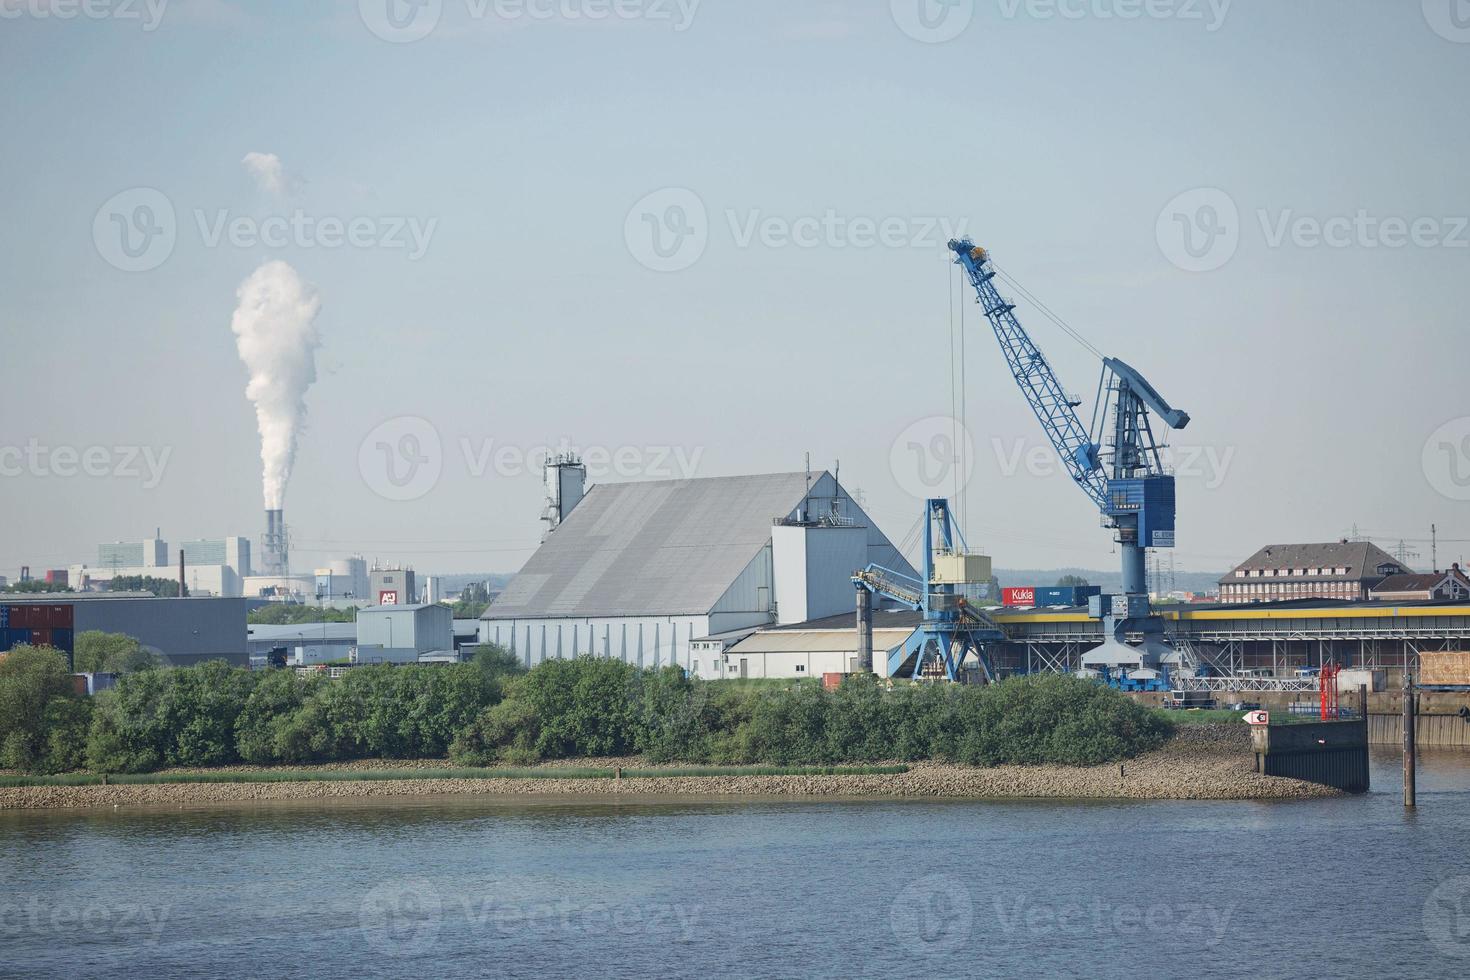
x=950, y=629
x=1115, y=461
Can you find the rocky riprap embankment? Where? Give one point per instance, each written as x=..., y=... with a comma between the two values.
x=1204, y=762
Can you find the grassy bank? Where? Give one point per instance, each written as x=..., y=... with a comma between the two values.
x=393, y=775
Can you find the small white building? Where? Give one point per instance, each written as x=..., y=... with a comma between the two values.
x=404, y=634
x=824, y=646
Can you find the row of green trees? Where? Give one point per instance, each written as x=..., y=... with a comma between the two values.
x=491, y=711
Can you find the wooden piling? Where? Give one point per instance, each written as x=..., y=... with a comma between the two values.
x=1410, y=762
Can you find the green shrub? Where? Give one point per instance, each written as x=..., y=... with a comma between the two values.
x=39, y=710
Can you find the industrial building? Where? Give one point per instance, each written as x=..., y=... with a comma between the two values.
x=1345, y=570
x=344, y=581
x=212, y=567
x=183, y=632
x=1452, y=584
x=810, y=649
x=645, y=571
x=392, y=586
x=399, y=634
x=306, y=644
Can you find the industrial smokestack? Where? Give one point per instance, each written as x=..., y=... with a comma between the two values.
x=182, y=588
x=276, y=558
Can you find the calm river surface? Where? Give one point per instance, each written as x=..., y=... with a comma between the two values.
x=455, y=887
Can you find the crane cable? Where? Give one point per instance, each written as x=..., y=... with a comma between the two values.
x=1046, y=311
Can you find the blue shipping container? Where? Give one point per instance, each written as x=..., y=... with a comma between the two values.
x=17, y=638
x=62, y=639
x=4, y=617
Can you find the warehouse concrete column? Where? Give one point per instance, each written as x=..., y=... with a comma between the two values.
x=864, y=630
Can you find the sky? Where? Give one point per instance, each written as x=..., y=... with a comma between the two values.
x=708, y=238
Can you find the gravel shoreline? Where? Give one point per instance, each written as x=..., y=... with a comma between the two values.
x=1199, y=763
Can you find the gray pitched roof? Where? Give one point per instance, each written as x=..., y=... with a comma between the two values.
x=668, y=547
x=1360, y=558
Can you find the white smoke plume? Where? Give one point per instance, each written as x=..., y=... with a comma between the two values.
x=267, y=170
x=275, y=332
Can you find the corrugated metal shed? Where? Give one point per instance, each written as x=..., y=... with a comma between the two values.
x=669, y=547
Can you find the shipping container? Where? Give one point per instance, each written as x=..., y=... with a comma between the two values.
x=4, y=617
x=1066, y=595
x=19, y=637
x=22, y=617
x=63, y=639
x=79, y=684
x=41, y=638
x=1023, y=596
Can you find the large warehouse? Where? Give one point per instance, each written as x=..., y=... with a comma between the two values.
x=641, y=571
x=183, y=632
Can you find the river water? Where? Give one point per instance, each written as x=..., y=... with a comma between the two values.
x=457, y=887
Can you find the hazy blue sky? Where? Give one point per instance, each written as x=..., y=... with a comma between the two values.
x=1327, y=378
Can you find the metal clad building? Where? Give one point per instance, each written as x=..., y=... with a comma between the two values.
x=639, y=571
x=183, y=631
x=403, y=633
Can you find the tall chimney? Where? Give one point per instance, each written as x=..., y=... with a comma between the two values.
x=182, y=588
x=277, y=561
